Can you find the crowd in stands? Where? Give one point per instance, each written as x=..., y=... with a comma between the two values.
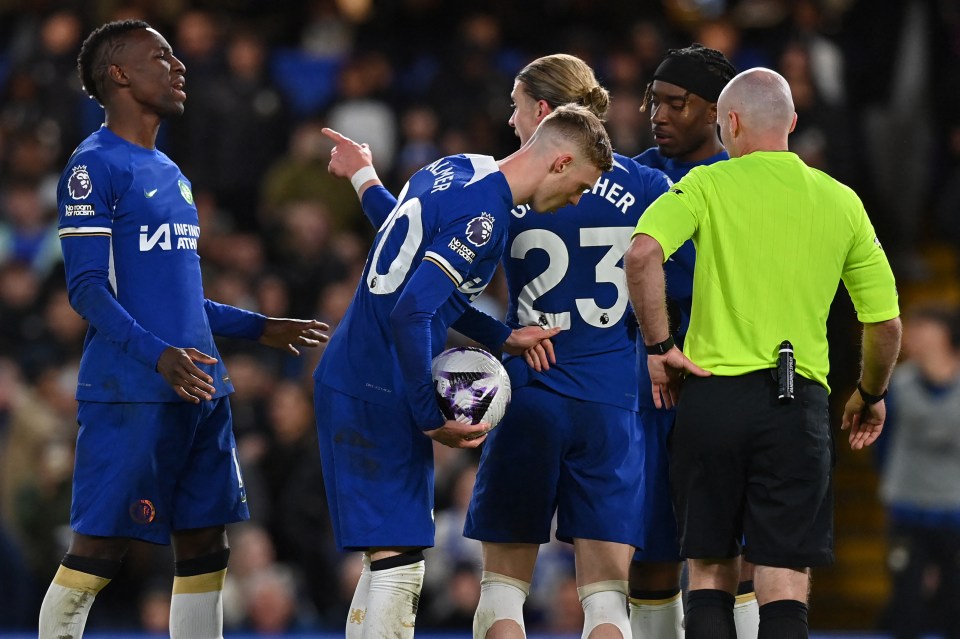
x=878, y=98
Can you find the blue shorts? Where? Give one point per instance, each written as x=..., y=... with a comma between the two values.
x=143, y=470
x=552, y=453
x=378, y=473
x=661, y=543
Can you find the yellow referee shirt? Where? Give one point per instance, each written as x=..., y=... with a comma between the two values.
x=774, y=238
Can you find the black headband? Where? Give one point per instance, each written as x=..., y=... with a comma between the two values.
x=691, y=75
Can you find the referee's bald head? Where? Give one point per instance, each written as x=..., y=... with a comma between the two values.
x=756, y=112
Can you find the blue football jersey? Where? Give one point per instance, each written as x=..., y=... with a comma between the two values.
x=129, y=230
x=678, y=269
x=434, y=253
x=566, y=270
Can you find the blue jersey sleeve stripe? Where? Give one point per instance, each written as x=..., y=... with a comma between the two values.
x=445, y=266
x=85, y=230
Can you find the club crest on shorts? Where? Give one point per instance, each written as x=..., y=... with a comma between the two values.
x=142, y=511
x=480, y=229
x=79, y=185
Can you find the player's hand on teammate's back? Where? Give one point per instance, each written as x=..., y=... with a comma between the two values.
x=864, y=421
x=347, y=157
x=287, y=334
x=666, y=373
x=176, y=365
x=533, y=342
x=456, y=435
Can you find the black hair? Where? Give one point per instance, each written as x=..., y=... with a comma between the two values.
x=711, y=60
x=97, y=52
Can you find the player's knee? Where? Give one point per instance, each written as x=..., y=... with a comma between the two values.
x=500, y=610
x=605, y=609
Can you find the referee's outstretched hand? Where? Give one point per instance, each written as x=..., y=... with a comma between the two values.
x=666, y=373
x=456, y=435
x=864, y=421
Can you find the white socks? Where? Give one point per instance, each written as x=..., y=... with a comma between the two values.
x=501, y=598
x=605, y=602
x=63, y=613
x=393, y=597
x=657, y=619
x=746, y=616
x=196, y=608
x=358, y=606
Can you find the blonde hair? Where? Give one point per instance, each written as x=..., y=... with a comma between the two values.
x=580, y=125
x=561, y=79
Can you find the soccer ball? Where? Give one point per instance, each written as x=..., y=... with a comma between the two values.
x=472, y=386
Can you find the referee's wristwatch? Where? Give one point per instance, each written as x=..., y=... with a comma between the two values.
x=868, y=398
x=660, y=348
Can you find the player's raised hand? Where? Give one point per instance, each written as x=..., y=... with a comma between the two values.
x=287, y=334
x=347, y=157
x=456, y=435
x=864, y=421
x=666, y=373
x=176, y=366
x=533, y=342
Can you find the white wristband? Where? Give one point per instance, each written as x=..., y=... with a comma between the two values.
x=363, y=176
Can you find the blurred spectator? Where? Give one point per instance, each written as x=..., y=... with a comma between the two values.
x=889, y=76
x=921, y=477
x=822, y=135
x=249, y=118
x=455, y=609
x=326, y=31
x=947, y=205
x=419, y=126
x=193, y=135
x=28, y=229
x=155, y=609
x=20, y=312
x=361, y=112
x=290, y=467
x=452, y=548
x=251, y=552
x=301, y=174
x=272, y=606
x=48, y=74
x=303, y=253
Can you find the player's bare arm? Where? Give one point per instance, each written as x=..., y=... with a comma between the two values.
x=176, y=366
x=287, y=334
x=881, y=347
x=645, y=281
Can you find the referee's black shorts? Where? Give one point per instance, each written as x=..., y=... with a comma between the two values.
x=742, y=465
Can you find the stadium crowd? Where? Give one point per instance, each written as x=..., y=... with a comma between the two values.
x=878, y=99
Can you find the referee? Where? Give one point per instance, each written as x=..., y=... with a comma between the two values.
x=752, y=451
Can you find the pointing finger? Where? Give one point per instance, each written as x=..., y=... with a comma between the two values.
x=336, y=136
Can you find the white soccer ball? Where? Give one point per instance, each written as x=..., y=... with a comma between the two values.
x=472, y=385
